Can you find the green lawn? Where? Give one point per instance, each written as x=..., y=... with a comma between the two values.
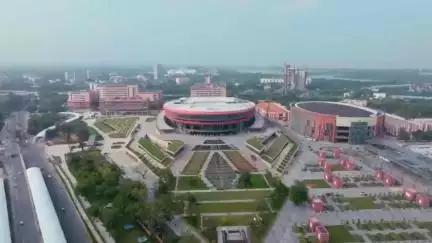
x=195, y=163
x=152, y=149
x=189, y=239
x=337, y=167
x=257, y=181
x=278, y=145
x=359, y=203
x=116, y=127
x=425, y=225
x=255, y=142
x=103, y=127
x=174, y=145
x=190, y=183
x=229, y=207
x=316, y=183
x=229, y=195
x=340, y=234
x=239, y=161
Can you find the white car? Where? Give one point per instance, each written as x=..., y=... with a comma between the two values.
x=21, y=222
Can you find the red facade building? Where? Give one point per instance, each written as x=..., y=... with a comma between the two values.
x=332, y=121
x=328, y=177
x=322, y=234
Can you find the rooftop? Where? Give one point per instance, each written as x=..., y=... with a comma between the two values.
x=209, y=104
x=337, y=109
x=273, y=107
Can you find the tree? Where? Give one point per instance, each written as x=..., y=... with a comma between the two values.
x=298, y=193
x=403, y=134
x=246, y=180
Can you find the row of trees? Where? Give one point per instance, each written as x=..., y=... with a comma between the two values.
x=404, y=108
x=38, y=122
x=418, y=135
x=117, y=201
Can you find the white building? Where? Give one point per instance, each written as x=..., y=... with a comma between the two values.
x=379, y=95
x=271, y=81
x=182, y=80
x=181, y=72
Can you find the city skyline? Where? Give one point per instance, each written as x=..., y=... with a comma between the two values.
x=313, y=33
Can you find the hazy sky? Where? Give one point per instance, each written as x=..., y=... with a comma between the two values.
x=316, y=33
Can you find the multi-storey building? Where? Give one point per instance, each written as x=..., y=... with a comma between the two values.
x=208, y=90
x=79, y=100
x=117, y=91
x=116, y=99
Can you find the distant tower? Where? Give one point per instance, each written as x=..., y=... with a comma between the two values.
x=158, y=72
x=88, y=74
x=208, y=79
x=289, y=78
x=66, y=76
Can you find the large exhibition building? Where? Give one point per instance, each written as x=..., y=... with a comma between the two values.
x=336, y=122
x=209, y=115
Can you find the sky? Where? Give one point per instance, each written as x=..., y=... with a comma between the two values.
x=311, y=33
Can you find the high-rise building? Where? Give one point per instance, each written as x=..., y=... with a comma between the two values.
x=66, y=76
x=158, y=72
x=294, y=78
x=88, y=74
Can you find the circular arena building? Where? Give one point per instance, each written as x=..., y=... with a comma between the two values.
x=209, y=115
x=336, y=122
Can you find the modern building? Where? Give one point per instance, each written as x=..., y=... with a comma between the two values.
x=208, y=90
x=158, y=72
x=124, y=106
x=116, y=99
x=79, y=100
x=209, y=115
x=110, y=91
x=336, y=122
x=273, y=111
x=295, y=78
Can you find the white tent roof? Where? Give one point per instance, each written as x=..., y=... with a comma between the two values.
x=49, y=223
x=5, y=235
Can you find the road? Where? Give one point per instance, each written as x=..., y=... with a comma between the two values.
x=70, y=220
x=20, y=204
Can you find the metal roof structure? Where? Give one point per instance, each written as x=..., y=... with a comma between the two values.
x=49, y=223
x=336, y=109
x=5, y=234
x=209, y=104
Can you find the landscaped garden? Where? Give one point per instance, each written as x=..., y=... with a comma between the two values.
x=276, y=148
x=255, y=142
x=340, y=233
x=154, y=151
x=247, y=181
x=239, y=161
x=174, y=146
x=195, y=163
x=190, y=183
x=116, y=127
x=316, y=183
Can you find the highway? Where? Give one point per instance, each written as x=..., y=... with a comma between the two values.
x=70, y=220
x=19, y=200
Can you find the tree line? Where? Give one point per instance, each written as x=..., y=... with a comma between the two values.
x=118, y=201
